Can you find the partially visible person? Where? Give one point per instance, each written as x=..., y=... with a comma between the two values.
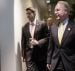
x=34, y=42
x=61, y=50
x=49, y=22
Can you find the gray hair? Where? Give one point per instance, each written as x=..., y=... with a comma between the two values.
x=66, y=4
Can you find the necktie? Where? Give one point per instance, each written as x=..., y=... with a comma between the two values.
x=32, y=24
x=60, y=32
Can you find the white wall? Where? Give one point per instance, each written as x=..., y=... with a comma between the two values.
x=17, y=32
x=7, y=36
x=10, y=35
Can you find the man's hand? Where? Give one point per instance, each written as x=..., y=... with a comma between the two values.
x=23, y=59
x=34, y=42
x=49, y=66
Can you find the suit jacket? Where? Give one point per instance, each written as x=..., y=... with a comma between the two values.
x=38, y=53
x=66, y=50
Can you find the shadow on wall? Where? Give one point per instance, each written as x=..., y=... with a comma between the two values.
x=18, y=58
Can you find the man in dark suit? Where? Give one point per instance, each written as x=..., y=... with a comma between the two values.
x=34, y=42
x=49, y=22
x=61, y=50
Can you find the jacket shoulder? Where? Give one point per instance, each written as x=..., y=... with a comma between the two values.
x=26, y=24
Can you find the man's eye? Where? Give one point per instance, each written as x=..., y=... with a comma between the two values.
x=57, y=10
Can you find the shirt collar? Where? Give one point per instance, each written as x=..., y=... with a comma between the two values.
x=33, y=21
x=66, y=21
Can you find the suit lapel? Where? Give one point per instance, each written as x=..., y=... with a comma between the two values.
x=55, y=34
x=28, y=31
x=65, y=35
x=36, y=28
x=66, y=32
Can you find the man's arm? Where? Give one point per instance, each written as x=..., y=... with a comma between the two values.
x=50, y=51
x=23, y=44
x=43, y=34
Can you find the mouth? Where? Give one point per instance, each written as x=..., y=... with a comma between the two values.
x=58, y=18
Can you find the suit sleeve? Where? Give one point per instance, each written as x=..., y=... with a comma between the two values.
x=50, y=49
x=44, y=35
x=23, y=43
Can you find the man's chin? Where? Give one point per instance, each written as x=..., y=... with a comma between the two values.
x=57, y=19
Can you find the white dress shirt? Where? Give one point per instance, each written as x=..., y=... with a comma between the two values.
x=61, y=29
x=32, y=28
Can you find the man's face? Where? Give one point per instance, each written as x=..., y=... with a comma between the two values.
x=60, y=12
x=49, y=21
x=30, y=15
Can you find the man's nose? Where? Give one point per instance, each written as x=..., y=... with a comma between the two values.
x=55, y=12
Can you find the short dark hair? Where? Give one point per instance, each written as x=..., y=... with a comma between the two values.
x=31, y=9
